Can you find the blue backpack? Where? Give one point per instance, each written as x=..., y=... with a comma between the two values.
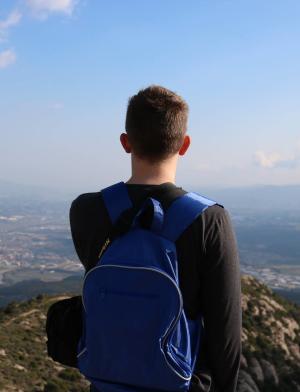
x=136, y=336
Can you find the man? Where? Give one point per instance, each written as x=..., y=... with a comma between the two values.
x=209, y=278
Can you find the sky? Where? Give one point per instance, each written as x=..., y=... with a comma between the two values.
x=68, y=67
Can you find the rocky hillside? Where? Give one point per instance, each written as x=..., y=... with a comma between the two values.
x=271, y=341
x=271, y=346
x=24, y=365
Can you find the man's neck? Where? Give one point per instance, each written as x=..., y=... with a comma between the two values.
x=144, y=172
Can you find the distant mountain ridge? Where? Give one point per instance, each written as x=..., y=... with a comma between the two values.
x=30, y=288
x=27, y=289
x=12, y=190
x=262, y=197
x=258, y=196
x=271, y=346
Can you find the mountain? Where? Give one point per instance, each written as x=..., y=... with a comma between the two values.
x=271, y=346
x=292, y=295
x=29, y=288
x=24, y=365
x=254, y=197
x=259, y=198
x=271, y=340
x=10, y=191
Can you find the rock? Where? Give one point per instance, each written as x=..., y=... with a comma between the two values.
x=255, y=369
x=19, y=367
x=244, y=336
x=246, y=383
x=244, y=363
x=269, y=372
x=59, y=368
x=2, y=352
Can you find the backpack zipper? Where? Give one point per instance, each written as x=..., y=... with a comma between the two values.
x=136, y=268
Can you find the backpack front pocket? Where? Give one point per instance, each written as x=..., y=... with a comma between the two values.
x=128, y=311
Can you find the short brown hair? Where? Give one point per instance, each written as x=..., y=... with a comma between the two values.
x=156, y=122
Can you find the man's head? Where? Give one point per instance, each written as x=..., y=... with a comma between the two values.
x=156, y=123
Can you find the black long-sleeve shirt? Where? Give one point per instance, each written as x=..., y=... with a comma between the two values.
x=209, y=276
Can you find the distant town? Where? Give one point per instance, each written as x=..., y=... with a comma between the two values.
x=35, y=243
x=272, y=278
x=34, y=247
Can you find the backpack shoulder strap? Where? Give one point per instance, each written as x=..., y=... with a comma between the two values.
x=116, y=200
x=182, y=212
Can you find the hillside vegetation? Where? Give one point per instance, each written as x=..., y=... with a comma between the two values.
x=24, y=364
x=271, y=346
x=271, y=340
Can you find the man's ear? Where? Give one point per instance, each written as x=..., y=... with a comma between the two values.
x=125, y=142
x=185, y=145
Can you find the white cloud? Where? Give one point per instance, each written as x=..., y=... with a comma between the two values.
x=7, y=58
x=266, y=160
x=12, y=20
x=39, y=8
x=275, y=160
x=44, y=7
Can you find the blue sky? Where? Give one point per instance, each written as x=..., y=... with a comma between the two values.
x=68, y=67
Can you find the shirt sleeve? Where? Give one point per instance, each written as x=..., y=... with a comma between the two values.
x=78, y=235
x=89, y=224
x=221, y=302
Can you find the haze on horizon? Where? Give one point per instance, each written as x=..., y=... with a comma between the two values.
x=67, y=68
